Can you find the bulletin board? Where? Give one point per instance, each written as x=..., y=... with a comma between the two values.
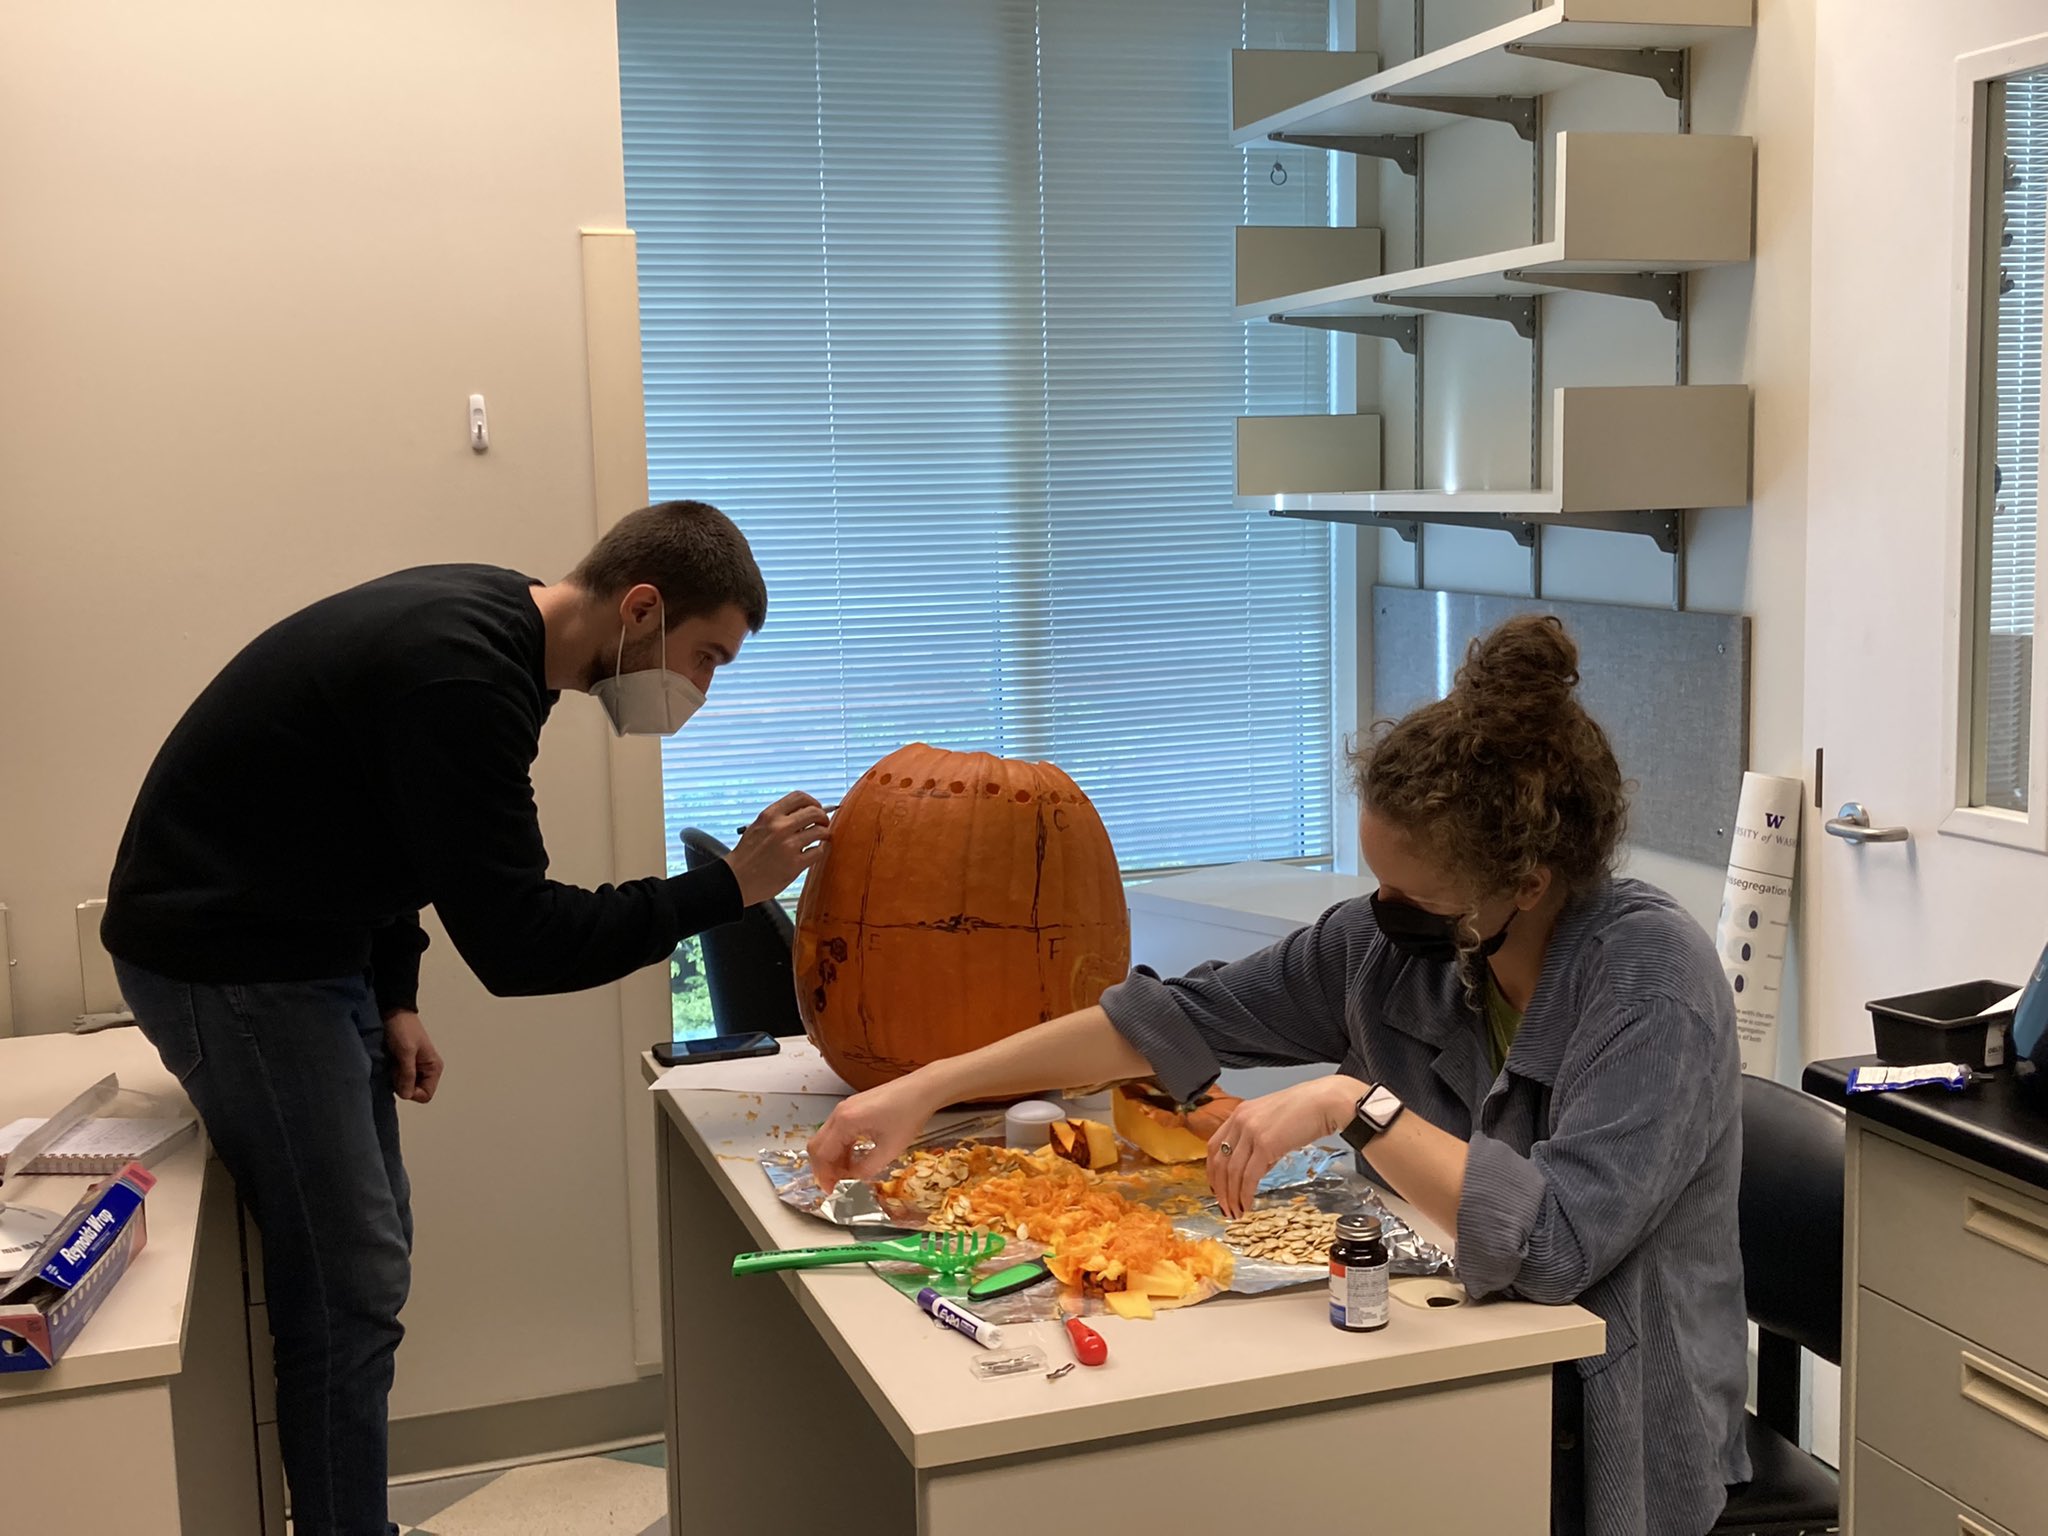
x=1671, y=688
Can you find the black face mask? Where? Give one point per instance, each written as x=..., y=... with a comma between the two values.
x=1424, y=935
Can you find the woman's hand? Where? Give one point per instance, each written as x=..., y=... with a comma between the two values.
x=869, y=1131
x=1261, y=1131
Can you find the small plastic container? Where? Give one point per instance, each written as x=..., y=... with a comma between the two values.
x=1946, y=1024
x=1029, y=1125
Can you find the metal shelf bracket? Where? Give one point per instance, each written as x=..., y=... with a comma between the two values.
x=1665, y=529
x=1666, y=66
x=1518, y=112
x=1404, y=331
x=1409, y=528
x=1666, y=290
x=1403, y=149
x=1518, y=311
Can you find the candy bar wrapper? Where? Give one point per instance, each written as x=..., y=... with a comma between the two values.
x=1942, y=1074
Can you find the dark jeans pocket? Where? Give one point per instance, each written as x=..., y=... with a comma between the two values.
x=165, y=1013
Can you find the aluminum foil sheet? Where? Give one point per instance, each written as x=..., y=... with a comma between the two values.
x=1328, y=1177
x=1325, y=1174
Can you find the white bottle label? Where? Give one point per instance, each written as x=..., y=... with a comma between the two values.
x=1358, y=1295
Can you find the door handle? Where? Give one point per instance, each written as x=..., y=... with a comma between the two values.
x=1853, y=826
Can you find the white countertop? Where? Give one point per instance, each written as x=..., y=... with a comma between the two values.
x=1228, y=1357
x=139, y=1331
x=1281, y=895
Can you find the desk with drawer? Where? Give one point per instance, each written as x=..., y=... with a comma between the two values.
x=154, y=1422
x=1945, y=1310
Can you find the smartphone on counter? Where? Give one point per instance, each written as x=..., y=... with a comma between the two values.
x=684, y=1053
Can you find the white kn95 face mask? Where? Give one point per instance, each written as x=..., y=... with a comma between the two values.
x=650, y=702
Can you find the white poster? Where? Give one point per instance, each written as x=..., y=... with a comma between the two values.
x=1756, y=912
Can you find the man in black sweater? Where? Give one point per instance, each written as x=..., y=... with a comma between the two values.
x=362, y=759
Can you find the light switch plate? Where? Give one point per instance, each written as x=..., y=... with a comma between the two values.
x=6, y=977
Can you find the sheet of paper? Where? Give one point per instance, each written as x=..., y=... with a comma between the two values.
x=105, y=1136
x=797, y=1068
x=22, y=1230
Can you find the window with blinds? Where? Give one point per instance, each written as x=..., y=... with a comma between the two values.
x=936, y=302
x=2013, y=372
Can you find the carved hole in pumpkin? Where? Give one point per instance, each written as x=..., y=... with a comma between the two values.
x=993, y=788
x=884, y=779
x=837, y=949
x=931, y=783
x=957, y=787
x=1059, y=820
x=1023, y=797
x=818, y=999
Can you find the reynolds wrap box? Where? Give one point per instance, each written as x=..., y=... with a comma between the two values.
x=43, y=1308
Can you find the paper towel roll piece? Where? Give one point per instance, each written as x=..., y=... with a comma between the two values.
x=1756, y=911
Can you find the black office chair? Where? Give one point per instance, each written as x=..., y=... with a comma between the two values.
x=747, y=967
x=1791, y=1216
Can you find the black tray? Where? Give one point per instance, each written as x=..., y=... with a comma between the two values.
x=1944, y=1024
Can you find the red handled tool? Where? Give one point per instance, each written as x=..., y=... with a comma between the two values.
x=1089, y=1348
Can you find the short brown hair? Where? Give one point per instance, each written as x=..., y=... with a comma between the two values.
x=1507, y=773
x=689, y=551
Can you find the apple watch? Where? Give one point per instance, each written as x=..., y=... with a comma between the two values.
x=1378, y=1110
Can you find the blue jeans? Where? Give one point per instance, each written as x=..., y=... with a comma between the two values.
x=292, y=1082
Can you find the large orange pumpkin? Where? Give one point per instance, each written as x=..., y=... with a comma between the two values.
x=964, y=897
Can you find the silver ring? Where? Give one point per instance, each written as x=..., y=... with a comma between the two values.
x=1223, y=1147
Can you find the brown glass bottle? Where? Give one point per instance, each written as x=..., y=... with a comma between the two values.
x=1358, y=1275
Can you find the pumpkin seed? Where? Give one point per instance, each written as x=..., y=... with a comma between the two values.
x=1295, y=1233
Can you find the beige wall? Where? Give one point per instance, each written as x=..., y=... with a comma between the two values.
x=253, y=260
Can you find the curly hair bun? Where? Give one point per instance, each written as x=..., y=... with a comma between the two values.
x=1507, y=773
x=1527, y=667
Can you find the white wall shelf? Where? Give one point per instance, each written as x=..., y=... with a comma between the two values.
x=1625, y=203
x=1288, y=455
x=1274, y=82
x=1341, y=95
x=1622, y=215
x=1620, y=456
x=1276, y=261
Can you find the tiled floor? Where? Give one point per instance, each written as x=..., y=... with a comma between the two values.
x=623, y=1494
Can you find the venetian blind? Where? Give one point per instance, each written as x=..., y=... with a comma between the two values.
x=936, y=302
x=2023, y=261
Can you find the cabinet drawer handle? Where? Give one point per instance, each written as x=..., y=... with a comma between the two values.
x=1999, y=1391
x=2008, y=1228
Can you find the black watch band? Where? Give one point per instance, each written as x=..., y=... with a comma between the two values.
x=1371, y=1116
